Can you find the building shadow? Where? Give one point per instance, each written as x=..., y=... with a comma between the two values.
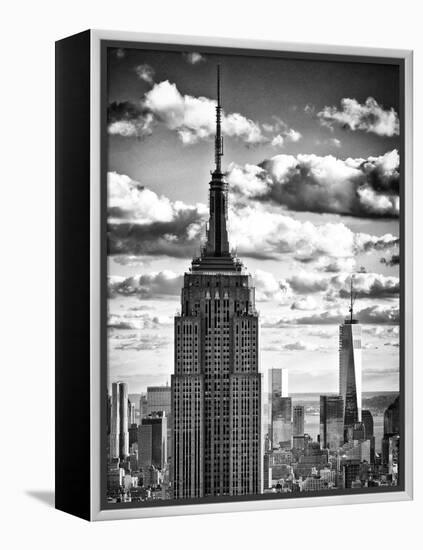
x=46, y=497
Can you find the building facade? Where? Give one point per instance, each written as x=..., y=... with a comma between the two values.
x=152, y=441
x=216, y=385
x=298, y=421
x=331, y=421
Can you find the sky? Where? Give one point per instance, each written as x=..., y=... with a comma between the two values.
x=311, y=151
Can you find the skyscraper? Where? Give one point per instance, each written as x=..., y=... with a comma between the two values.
x=367, y=419
x=119, y=435
x=278, y=388
x=331, y=421
x=152, y=441
x=298, y=420
x=216, y=385
x=143, y=406
x=350, y=367
x=158, y=399
x=282, y=423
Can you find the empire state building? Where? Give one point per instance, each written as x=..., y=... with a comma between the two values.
x=216, y=385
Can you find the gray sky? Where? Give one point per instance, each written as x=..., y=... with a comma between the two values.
x=311, y=154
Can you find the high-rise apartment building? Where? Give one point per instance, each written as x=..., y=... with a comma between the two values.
x=216, y=385
x=119, y=435
x=331, y=421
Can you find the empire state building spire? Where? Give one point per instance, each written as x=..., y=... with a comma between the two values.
x=218, y=147
x=215, y=255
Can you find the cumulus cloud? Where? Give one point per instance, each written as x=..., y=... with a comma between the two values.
x=143, y=342
x=192, y=118
x=135, y=321
x=369, y=116
x=193, y=58
x=307, y=182
x=268, y=288
x=366, y=285
x=307, y=303
x=150, y=285
x=392, y=261
x=129, y=120
x=140, y=222
x=300, y=345
x=375, y=314
x=145, y=72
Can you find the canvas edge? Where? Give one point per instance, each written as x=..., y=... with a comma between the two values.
x=97, y=513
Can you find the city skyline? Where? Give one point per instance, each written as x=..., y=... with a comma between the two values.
x=301, y=275
x=315, y=223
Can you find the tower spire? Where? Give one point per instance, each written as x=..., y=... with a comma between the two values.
x=218, y=146
x=352, y=298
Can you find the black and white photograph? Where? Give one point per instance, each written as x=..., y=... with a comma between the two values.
x=253, y=276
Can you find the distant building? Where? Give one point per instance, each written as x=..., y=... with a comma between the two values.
x=298, y=421
x=331, y=421
x=391, y=432
x=115, y=476
x=282, y=422
x=350, y=367
x=133, y=434
x=131, y=412
x=152, y=441
x=391, y=419
x=143, y=406
x=267, y=470
x=278, y=389
x=351, y=475
x=119, y=436
x=367, y=419
x=159, y=399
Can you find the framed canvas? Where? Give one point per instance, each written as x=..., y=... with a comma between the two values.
x=233, y=275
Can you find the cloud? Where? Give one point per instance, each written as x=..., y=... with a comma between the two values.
x=376, y=314
x=382, y=332
x=392, y=261
x=334, y=142
x=145, y=72
x=192, y=118
x=369, y=116
x=306, y=182
x=120, y=53
x=135, y=321
x=268, y=288
x=366, y=285
x=193, y=58
x=300, y=345
x=150, y=285
x=335, y=265
x=143, y=342
x=127, y=119
x=307, y=303
x=140, y=223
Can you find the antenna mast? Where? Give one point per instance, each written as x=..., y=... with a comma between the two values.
x=352, y=297
x=218, y=147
